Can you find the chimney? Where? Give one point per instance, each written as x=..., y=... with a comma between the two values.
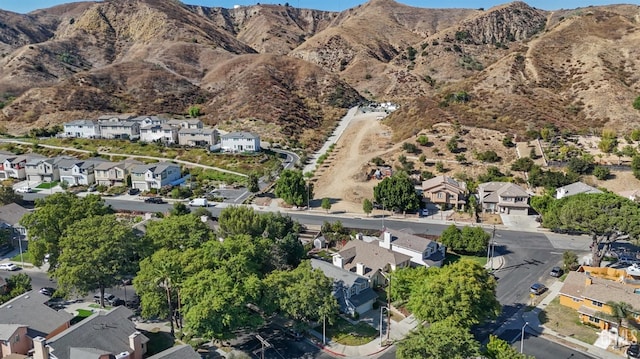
x=588, y=281
x=359, y=236
x=40, y=350
x=135, y=343
x=338, y=261
x=386, y=240
x=360, y=268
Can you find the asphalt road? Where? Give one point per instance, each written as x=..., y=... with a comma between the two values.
x=541, y=348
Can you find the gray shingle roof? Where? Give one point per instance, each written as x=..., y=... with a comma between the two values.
x=578, y=187
x=108, y=331
x=157, y=168
x=87, y=353
x=7, y=330
x=344, y=280
x=29, y=309
x=178, y=352
x=371, y=255
x=197, y=131
x=12, y=213
x=249, y=135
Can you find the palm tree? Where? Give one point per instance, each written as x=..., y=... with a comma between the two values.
x=619, y=311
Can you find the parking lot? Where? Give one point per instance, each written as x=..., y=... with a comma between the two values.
x=282, y=345
x=230, y=195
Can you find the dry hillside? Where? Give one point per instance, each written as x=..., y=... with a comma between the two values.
x=291, y=73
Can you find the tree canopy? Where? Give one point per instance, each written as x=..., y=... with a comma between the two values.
x=441, y=340
x=500, y=349
x=468, y=240
x=178, y=232
x=292, y=188
x=51, y=218
x=397, y=193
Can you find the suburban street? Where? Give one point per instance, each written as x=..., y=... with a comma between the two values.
x=541, y=348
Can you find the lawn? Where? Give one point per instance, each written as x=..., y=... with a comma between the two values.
x=47, y=185
x=26, y=256
x=565, y=321
x=453, y=257
x=346, y=333
x=82, y=314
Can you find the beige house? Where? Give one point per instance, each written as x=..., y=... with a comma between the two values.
x=503, y=198
x=190, y=123
x=445, y=191
x=114, y=174
x=198, y=136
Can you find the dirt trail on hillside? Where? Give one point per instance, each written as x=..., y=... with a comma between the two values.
x=342, y=177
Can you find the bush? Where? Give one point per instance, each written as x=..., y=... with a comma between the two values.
x=377, y=161
x=409, y=147
x=488, y=156
x=423, y=140
x=602, y=173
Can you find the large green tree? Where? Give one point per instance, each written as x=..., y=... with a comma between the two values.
x=475, y=239
x=8, y=195
x=463, y=290
x=292, y=188
x=441, y=340
x=452, y=238
x=253, y=183
x=178, y=232
x=95, y=252
x=303, y=294
x=499, y=349
x=397, y=193
x=404, y=279
x=51, y=218
x=605, y=216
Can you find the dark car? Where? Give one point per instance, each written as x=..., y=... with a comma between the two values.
x=294, y=334
x=134, y=191
x=157, y=200
x=556, y=272
x=538, y=288
x=633, y=351
x=48, y=291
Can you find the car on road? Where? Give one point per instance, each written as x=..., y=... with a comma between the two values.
x=48, y=291
x=8, y=266
x=157, y=200
x=199, y=202
x=538, y=288
x=556, y=272
x=633, y=351
x=24, y=190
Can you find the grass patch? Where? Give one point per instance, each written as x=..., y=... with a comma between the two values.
x=346, y=333
x=97, y=306
x=324, y=254
x=452, y=257
x=47, y=185
x=158, y=342
x=26, y=256
x=565, y=321
x=82, y=314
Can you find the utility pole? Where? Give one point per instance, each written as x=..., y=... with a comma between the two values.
x=265, y=345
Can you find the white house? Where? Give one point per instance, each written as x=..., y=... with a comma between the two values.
x=197, y=136
x=78, y=172
x=163, y=133
x=149, y=120
x=82, y=129
x=240, y=142
x=190, y=123
x=423, y=251
x=575, y=188
x=156, y=175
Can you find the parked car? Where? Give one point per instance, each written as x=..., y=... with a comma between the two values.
x=294, y=334
x=538, y=288
x=48, y=291
x=109, y=299
x=134, y=191
x=377, y=205
x=633, y=351
x=424, y=212
x=199, y=202
x=92, y=188
x=556, y=272
x=24, y=190
x=157, y=200
x=8, y=266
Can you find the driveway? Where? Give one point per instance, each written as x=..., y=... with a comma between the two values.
x=520, y=222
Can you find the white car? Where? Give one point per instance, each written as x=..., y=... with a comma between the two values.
x=8, y=266
x=24, y=190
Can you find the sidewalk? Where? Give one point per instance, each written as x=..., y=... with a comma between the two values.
x=534, y=326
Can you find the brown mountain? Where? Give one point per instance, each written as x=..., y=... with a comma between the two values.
x=290, y=73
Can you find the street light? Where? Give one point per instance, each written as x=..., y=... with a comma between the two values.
x=522, y=337
x=382, y=308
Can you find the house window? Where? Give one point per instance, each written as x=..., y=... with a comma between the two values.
x=594, y=320
x=577, y=300
x=595, y=303
x=17, y=338
x=353, y=290
x=440, y=195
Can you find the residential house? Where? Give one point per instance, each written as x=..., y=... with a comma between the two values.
x=156, y=175
x=76, y=172
x=189, y=123
x=117, y=117
x=44, y=169
x=183, y=351
x=110, y=333
x=423, y=251
x=114, y=174
x=503, y=198
x=370, y=260
x=13, y=340
x=162, y=133
x=82, y=129
x=575, y=188
x=30, y=310
x=589, y=289
x=116, y=129
x=198, y=136
x=10, y=216
x=240, y=142
x=149, y=120
x=445, y=191
x=15, y=166
x=352, y=290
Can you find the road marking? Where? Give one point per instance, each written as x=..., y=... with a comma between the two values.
x=555, y=253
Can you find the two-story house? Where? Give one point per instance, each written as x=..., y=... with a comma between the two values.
x=352, y=290
x=26, y=317
x=149, y=120
x=116, y=129
x=105, y=334
x=14, y=166
x=44, y=169
x=198, y=136
x=78, y=172
x=114, y=174
x=163, y=133
x=189, y=123
x=156, y=175
x=82, y=129
x=240, y=142
x=10, y=216
x=423, y=251
x=445, y=191
x=575, y=188
x=503, y=198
